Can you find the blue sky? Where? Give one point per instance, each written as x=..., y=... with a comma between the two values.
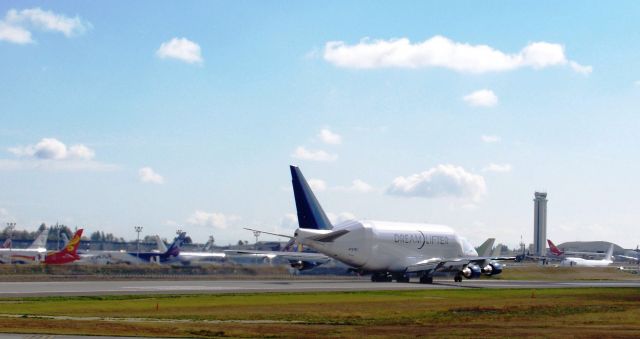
x=163, y=115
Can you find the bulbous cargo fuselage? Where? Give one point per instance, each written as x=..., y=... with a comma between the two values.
x=388, y=246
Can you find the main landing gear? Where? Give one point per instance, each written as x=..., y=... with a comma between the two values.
x=381, y=277
x=426, y=279
x=457, y=277
x=387, y=277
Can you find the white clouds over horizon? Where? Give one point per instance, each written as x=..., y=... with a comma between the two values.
x=313, y=155
x=317, y=185
x=181, y=49
x=17, y=25
x=329, y=137
x=215, y=220
x=481, y=98
x=439, y=51
x=148, y=175
x=53, y=154
x=444, y=180
x=54, y=149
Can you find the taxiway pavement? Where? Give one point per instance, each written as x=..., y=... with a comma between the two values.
x=79, y=288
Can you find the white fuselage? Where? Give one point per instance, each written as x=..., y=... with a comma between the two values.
x=585, y=262
x=388, y=246
x=22, y=255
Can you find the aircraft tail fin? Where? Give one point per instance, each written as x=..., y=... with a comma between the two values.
x=484, y=250
x=7, y=243
x=40, y=241
x=73, y=244
x=160, y=244
x=310, y=213
x=609, y=254
x=174, y=249
x=552, y=247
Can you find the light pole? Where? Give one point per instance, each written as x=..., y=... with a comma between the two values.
x=10, y=227
x=57, y=228
x=138, y=230
x=256, y=234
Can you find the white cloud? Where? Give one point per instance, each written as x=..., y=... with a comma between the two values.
x=16, y=35
x=439, y=51
x=361, y=186
x=637, y=83
x=53, y=154
x=481, y=98
x=16, y=25
x=501, y=168
x=317, y=185
x=216, y=220
x=357, y=185
x=440, y=181
x=329, y=137
x=181, y=49
x=81, y=152
x=148, y=175
x=54, y=149
x=490, y=138
x=341, y=217
x=586, y=70
x=55, y=165
x=313, y=155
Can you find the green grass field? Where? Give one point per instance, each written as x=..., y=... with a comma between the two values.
x=597, y=312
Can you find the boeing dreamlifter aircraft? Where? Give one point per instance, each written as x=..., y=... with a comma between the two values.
x=387, y=250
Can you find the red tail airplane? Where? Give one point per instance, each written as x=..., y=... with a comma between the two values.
x=66, y=255
x=555, y=250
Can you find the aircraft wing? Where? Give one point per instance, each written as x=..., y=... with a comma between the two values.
x=304, y=256
x=449, y=264
x=627, y=257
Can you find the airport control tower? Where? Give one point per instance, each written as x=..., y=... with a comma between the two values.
x=540, y=223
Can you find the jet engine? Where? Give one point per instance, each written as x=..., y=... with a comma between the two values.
x=492, y=269
x=471, y=271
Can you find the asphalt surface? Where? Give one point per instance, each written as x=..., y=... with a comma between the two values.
x=24, y=289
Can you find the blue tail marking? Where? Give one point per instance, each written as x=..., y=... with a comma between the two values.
x=310, y=213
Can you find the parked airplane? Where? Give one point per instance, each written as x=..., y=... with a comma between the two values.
x=559, y=253
x=636, y=258
x=32, y=254
x=571, y=261
x=69, y=253
x=189, y=258
x=387, y=250
x=123, y=257
x=36, y=253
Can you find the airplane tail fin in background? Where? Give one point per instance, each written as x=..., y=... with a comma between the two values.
x=41, y=240
x=310, y=213
x=552, y=247
x=7, y=243
x=174, y=249
x=484, y=250
x=74, y=243
x=160, y=244
x=609, y=253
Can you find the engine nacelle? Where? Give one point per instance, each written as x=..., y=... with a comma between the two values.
x=471, y=271
x=492, y=269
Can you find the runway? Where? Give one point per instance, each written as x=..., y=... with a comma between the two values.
x=88, y=288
